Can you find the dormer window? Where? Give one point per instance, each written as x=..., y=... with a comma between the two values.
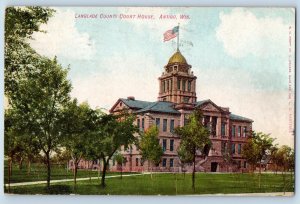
x=175, y=67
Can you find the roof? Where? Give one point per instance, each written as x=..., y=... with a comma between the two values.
x=241, y=118
x=177, y=57
x=132, y=103
x=160, y=106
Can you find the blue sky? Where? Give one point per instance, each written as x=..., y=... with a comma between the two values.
x=239, y=55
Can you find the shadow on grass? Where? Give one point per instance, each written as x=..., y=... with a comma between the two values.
x=59, y=189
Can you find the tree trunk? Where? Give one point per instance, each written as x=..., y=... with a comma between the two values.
x=259, y=174
x=28, y=167
x=194, y=170
x=48, y=164
x=121, y=170
x=103, y=173
x=75, y=172
x=9, y=173
x=21, y=164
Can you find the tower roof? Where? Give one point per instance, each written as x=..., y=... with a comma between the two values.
x=177, y=57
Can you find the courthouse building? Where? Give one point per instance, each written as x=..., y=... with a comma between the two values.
x=176, y=100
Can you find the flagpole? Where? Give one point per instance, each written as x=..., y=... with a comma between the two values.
x=178, y=39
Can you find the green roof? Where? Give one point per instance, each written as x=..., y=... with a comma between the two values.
x=132, y=103
x=160, y=106
x=241, y=118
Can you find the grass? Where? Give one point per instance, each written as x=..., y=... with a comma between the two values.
x=168, y=184
x=39, y=173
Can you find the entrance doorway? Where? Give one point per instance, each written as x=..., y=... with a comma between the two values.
x=214, y=166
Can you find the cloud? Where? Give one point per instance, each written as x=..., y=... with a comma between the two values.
x=62, y=38
x=130, y=75
x=242, y=33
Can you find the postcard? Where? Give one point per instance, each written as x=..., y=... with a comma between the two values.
x=150, y=101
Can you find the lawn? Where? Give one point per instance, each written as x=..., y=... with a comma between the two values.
x=39, y=173
x=169, y=184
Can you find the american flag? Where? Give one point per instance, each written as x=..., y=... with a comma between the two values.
x=170, y=34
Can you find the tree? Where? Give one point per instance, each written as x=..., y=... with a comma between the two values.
x=257, y=147
x=150, y=148
x=119, y=158
x=38, y=104
x=184, y=157
x=20, y=58
x=194, y=138
x=114, y=132
x=77, y=123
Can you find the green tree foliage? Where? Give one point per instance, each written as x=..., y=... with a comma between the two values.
x=38, y=105
x=256, y=148
x=150, y=148
x=77, y=123
x=120, y=159
x=20, y=58
x=114, y=132
x=194, y=138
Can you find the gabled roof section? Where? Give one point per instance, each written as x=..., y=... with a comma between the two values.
x=240, y=118
x=160, y=106
x=200, y=103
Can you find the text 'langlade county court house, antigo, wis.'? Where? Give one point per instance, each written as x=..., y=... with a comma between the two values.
x=176, y=100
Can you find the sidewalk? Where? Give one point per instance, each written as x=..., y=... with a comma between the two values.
x=67, y=180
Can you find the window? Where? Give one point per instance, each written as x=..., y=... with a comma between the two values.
x=244, y=131
x=138, y=123
x=165, y=121
x=239, y=131
x=172, y=125
x=137, y=161
x=171, y=145
x=245, y=164
x=171, y=84
x=143, y=123
x=171, y=162
x=214, y=126
x=232, y=148
x=157, y=122
x=189, y=85
x=168, y=85
x=163, y=86
x=164, y=163
x=223, y=147
x=239, y=148
x=164, y=144
x=186, y=99
x=223, y=129
x=239, y=164
x=233, y=131
x=121, y=104
x=178, y=84
x=183, y=85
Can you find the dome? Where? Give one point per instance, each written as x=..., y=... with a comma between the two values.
x=177, y=57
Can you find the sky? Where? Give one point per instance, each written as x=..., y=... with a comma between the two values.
x=240, y=56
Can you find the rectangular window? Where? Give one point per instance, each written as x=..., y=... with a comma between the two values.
x=244, y=131
x=137, y=161
x=223, y=129
x=164, y=163
x=171, y=145
x=143, y=123
x=157, y=122
x=171, y=162
x=183, y=85
x=239, y=131
x=138, y=123
x=189, y=85
x=164, y=86
x=165, y=121
x=164, y=144
x=214, y=126
x=171, y=86
x=245, y=164
x=239, y=148
x=172, y=126
x=178, y=84
x=168, y=85
x=233, y=131
x=232, y=148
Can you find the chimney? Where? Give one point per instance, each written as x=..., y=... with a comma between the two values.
x=131, y=98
